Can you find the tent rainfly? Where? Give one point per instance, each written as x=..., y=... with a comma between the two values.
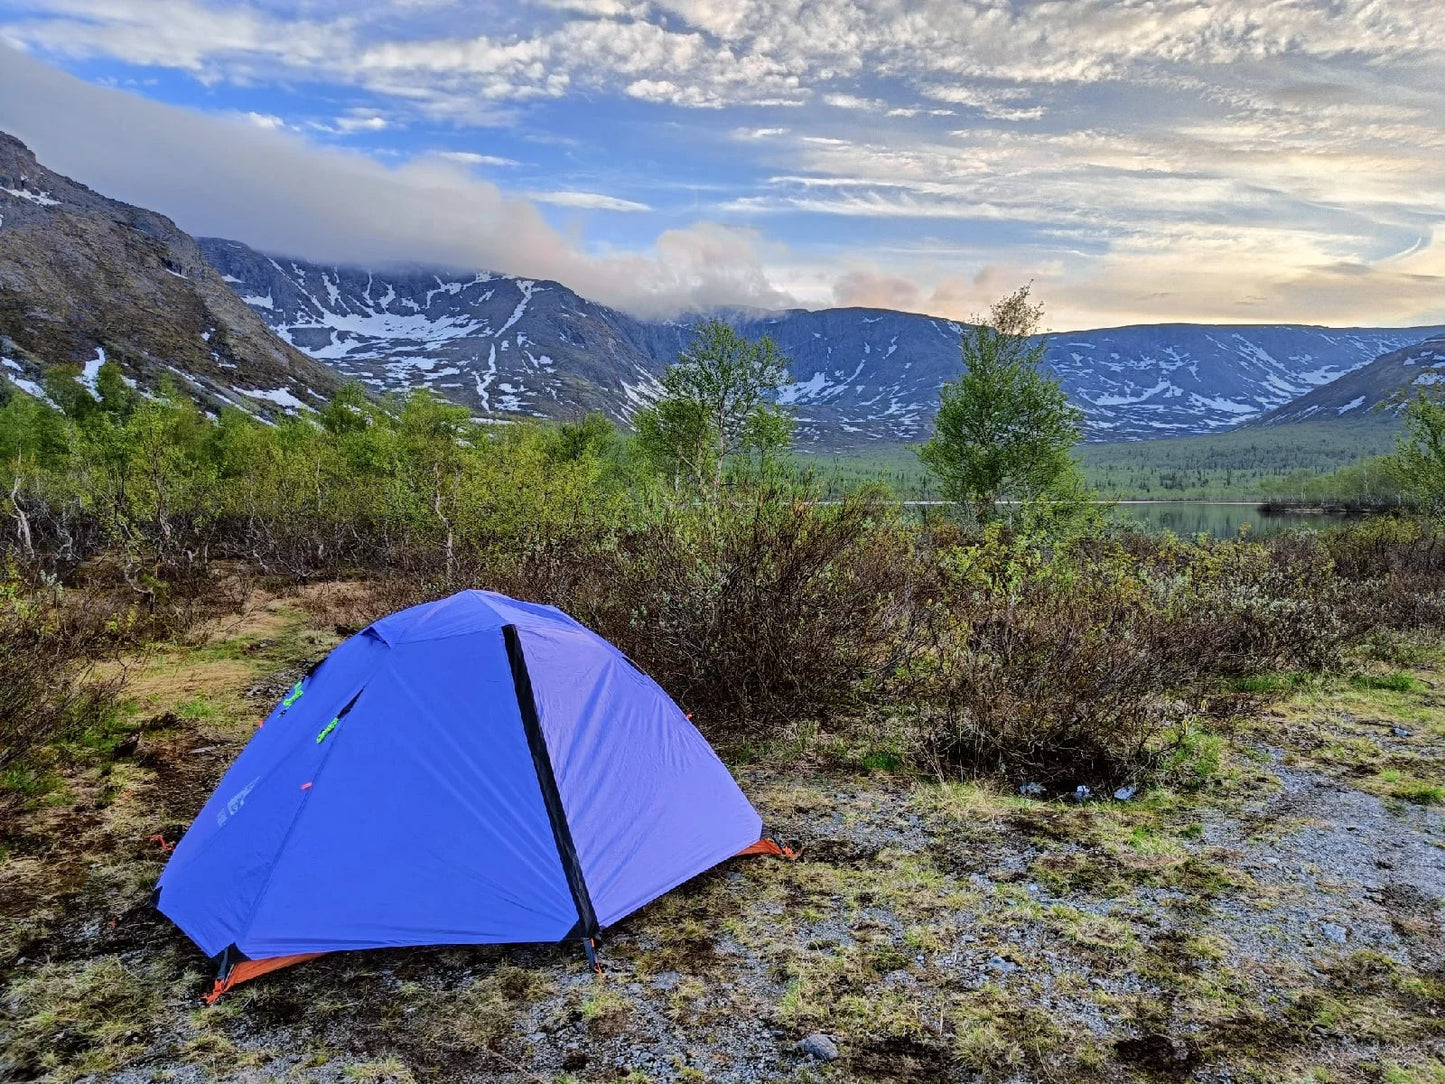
x=470, y=771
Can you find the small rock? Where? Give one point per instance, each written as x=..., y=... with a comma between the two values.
x=1081, y=793
x=1032, y=790
x=818, y=1045
x=1123, y=794
x=1401, y=732
x=999, y=965
x=1334, y=932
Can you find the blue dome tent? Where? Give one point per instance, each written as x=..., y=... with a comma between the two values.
x=475, y=770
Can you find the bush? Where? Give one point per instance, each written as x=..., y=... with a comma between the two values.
x=1052, y=648
x=770, y=608
x=51, y=640
x=1065, y=662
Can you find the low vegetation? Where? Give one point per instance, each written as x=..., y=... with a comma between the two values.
x=907, y=696
x=1309, y=462
x=1050, y=649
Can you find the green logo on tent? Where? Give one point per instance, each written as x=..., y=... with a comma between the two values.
x=329, y=728
x=296, y=692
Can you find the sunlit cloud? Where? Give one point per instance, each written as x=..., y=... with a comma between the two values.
x=1168, y=159
x=589, y=201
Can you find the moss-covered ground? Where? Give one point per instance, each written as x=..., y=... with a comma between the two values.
x=1278, y=921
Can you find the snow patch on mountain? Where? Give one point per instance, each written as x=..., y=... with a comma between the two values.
x=510, y=346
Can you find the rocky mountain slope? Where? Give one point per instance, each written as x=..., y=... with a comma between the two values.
x=84, y=278
x=495, y=343
x=502, y=344
x=1374, y=391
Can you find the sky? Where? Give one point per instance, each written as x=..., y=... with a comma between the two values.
x=1136, y=160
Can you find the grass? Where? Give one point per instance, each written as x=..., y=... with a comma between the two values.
x=999, y=1035
x=1377, y=724
x=385, y=1071
x=606, y=1010
x=883, y=935
x=90, y=1017
x=1424, y=1072
x=1397, y=682
x=1410, y=789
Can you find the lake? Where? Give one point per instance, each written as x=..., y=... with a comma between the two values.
x=1222, y=519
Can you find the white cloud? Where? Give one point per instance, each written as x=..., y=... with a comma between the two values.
x=853, y=101
x=471, y=158
x=1111, y=148
x=591, y=201
x=361, y=124
x=992, y=103
x=227, y=177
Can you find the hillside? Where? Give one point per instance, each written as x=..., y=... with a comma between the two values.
x=505, y=345
x=84, y=278
x=1372, y=393
x=1251, y=463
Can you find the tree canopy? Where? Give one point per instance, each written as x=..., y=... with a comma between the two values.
x=1005, y=429
x=719, y=400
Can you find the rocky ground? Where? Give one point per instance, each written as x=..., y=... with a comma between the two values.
x=1282, y=919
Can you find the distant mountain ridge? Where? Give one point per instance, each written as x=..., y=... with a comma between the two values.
x=1375, y=391
x=506, y=345
x=84, y=278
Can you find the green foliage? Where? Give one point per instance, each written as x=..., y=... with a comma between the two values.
x=1315, y=462
x=593, y=437
x=1419, y=458
x=1047, y=645
x=165, y=489
x=1285, y=462
x=1397, y=682
x=719, y=400
x=675, y=438
x=1005, y=430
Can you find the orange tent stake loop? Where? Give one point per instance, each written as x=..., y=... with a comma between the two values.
x=769, y=846
x=239, y=971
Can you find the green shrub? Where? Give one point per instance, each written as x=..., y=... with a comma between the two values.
x=1080, y=661
x=51, y=640
x=1050, y=651
x=1397, y=682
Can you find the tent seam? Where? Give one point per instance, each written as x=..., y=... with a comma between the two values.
x=291, y=828
x=547, y=783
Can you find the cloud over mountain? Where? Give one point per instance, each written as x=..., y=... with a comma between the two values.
x=1139, y=159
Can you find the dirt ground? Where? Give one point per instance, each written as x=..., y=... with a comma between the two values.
x=1281, y=920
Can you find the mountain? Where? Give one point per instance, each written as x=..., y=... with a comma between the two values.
x=84, y=278
x=498, y=344
x=506, y=345
x=876, y=374
x=1373, y=391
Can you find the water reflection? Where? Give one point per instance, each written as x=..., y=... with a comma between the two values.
x=1220, y=519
